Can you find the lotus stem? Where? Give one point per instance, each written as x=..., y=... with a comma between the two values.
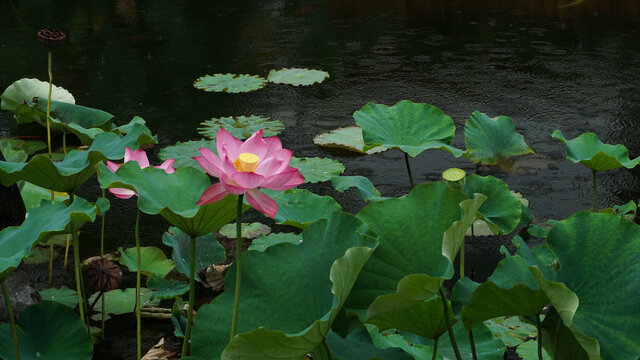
x=236, y=300
x=539, y=336
x=443, y=296
x=462, y=260
x=406, y=161
x=192, y=297
x=102, y=257
x=138, y=320
x=49, y=104
x=78, y=273
x=12, y=321
x=64, y=142
x=435, y=348
x=66, y=250
x=473, y=345
x=556, y=341
x=595, y=193
x=473, y=253
x=51, y=260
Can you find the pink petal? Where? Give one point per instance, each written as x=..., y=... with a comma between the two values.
x=215, y=192
x=122, y=193
x=227, y=145
x=230, y=185
x=275, y=163
x=209, y=162
x=138, y=156
x=255, y=145
x=167, y=166
x=113, y=166
x=247, y=180
x=283, y=181
x=273, y=144
x=262, y=202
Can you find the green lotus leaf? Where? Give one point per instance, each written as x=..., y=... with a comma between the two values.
x=63, y=295
x=17, y=150
x=249, y=231
x=152, y=261
x=580, y=291
x=362, y=185
x=137, y=126
x=112, y=145
x=315, y=170
x=118, y=302
x=39, y=255
x=47, y=331
x=597, y=156
x=32, y=195
x=299, y=207
x=44, y=221
x=26, y=89
x=358, y=345
x=230, y=83
x=488, y=140
x=348, y=138
x=408, y=126
x=272, y=326
x=297, y=77
x=511, y=330
x=391, y=339
x=529, y=351
x=184, y=152
x=266, y=241
x=241, y=127
x=453, y=238
x=562, y=343
x=166, y=288
x=208, y=250
x=84, y=122
x=502, y=210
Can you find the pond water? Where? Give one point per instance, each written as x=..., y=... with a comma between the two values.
x=568, y=65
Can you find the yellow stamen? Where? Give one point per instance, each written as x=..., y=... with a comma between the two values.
x=247, y=162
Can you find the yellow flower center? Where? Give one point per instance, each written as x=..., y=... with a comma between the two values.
x=246, y=162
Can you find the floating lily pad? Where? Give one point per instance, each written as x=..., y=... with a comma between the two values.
x=152, y=261
x=597, y=156
x=265, y=241
x=63, y=295
x=183, y=152
x=208, y=250
x=511, y=330
x=166, y=288
x=488, y=140
x=297, y=76
x=119, y=301
x=241, y=127
x=26, y=89
x=231, y=83
x=348, y=138
x=299, y=207
x=362, y=185
x=315, y=170
x=408, y=126
x=249, y=231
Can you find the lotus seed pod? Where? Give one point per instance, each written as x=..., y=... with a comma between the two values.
x=51, y=38
x=455, y=177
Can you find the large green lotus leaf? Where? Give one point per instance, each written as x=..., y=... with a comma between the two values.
x=315, y=170
x=26, y=89
x=208, y=250
x=241, y=127
x=363, y=186
x=152, y=261
x=299, y=207
x=84, y=122
x=184, y=152
x=166, y=288
x=17, y=150
x=562, y=343
x=490, y=139
x=230, y=83
x=453, y=238
x=32, y=195
x=529, y=351
x=266, y=241
x=359, y=346
x=597, y=308
x=297, y=76
x=248, y=230
x=44, y=221
x=502, y=210
x=292, y=315
x=487, y=347
x=119, y=301
x=348, y=138
x=63, y=295
x=408, y=126
x=411, y=229
x=511, y=330
x=47, y=331
x=112, y=145
x=390, y=339
x=594, y=154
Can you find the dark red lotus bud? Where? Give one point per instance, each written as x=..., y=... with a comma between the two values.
x=51, y=37
x=104, y=275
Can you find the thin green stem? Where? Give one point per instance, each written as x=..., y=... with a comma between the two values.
x=51, y=260
x=192, y=297
x=12, y=321
x=406, y=161
x=66, y=250
x=139, y=264
x=102, y=257
x=473, y=253
x=435, y=348
x=539, y=326
x=595, y=193
x=443, y=296
x=236, y=300
x=49, y=66
x=473, y=345
x=76, y=265
x=64, y=142
x=462, y=260
x=556, y=341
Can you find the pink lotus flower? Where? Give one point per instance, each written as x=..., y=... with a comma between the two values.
x=243, y=167
x=140, y=157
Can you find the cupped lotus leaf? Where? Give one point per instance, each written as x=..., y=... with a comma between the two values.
x=184, y=152
x=502, y=210
x=32, y=195
x=297, y=76
x=511, y=330
x=300, y=207
x=113, y=145
x=47, y=331
x=411, y=229
x=241, y=127
x=26, y=89
x=118, y=301
x=166, y=288
x=562, y=343
x=580, y=291
x=488, y=140
x=487, y=347
x=249, y=230
x=594, y=154
x=266, y=241
x=358, y=345
x=63, y=295
x=44, y=221
x=152, y=261
x=208, y=250
x=82, y=121
x=18, y=150
x=363, y=186
x=529, y=351
x=453, y=238
x=347, y=138
x=391, y=339
x=230, y=83
x=272, y=326
x=315, y=170
x=408, y=126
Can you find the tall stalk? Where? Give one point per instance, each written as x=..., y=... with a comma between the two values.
x=435, y=348
x=443, y=296
x=236, y=300
x=539, y=327
x=138, y=319
x=406, y=161
x=102, y=257
x=473, y=253
x=473, y=345
x=78, y=273
x=49, y=66
x=12, y=321
x=192, y=297
x=595, y=193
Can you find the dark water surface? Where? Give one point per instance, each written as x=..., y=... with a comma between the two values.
x=547, y=64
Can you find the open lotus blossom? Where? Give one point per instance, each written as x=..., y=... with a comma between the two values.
x=243, y=167
x=140, y=157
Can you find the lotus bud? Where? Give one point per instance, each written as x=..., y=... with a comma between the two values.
x=455, y=177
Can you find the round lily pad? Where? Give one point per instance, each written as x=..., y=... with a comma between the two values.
x=166, y=288
x=241, y=127
x=183, y=152
x=348, y=138
x=63, y=295
x=594, y=154
x=316, y=170
x=27, y=89
x=231, y=83
x=249, y=231
x=297, y=76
